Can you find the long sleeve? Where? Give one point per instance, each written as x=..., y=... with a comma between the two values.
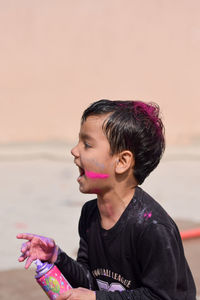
x=76, y=271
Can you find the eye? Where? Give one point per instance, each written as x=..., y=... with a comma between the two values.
x=86, y=145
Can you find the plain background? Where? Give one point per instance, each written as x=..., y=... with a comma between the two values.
x=56, y=57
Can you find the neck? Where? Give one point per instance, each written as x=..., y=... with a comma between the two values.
x=112, y=204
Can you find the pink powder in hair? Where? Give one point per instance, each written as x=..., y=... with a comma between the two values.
x=122, y=104
x=94, y=175
x=152, y=111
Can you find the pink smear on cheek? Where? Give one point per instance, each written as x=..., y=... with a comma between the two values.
x=94, y=175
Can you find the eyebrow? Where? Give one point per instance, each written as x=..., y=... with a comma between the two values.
x=85, y=136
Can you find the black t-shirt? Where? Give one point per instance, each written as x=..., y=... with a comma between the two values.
x=140, y=257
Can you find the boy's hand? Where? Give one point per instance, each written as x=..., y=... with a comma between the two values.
x=78, y=294
x=37, y=247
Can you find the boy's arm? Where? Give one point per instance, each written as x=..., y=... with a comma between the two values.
x=76, y=271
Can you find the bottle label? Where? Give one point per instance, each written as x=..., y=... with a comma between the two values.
x=54, y=283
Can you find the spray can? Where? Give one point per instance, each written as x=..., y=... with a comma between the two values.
x=51, y=279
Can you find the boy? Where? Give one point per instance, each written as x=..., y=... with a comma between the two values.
x=129, y=247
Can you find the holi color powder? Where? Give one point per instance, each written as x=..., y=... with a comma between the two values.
x=152, y=111
x=147, y=215
x=94, y=175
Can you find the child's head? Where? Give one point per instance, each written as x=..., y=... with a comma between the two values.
x=134, y=126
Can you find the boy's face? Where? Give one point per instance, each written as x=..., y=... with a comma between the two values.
x=92, y=156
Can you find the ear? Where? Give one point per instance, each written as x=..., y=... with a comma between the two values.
x=125, y=162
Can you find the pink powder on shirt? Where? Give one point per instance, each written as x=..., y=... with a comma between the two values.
x=148, y=215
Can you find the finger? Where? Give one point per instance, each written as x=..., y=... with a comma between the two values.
x=51, y=243
x=22, y=257
x=29, y=262
x=25, y=247
x=25, y=236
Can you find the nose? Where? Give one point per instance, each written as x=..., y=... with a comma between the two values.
x=74, y=151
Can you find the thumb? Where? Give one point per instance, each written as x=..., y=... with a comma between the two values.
x=54, y=254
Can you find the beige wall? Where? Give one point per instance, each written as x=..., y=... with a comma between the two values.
x=58, y=56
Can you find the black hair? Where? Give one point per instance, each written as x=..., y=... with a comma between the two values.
x=135, y=126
